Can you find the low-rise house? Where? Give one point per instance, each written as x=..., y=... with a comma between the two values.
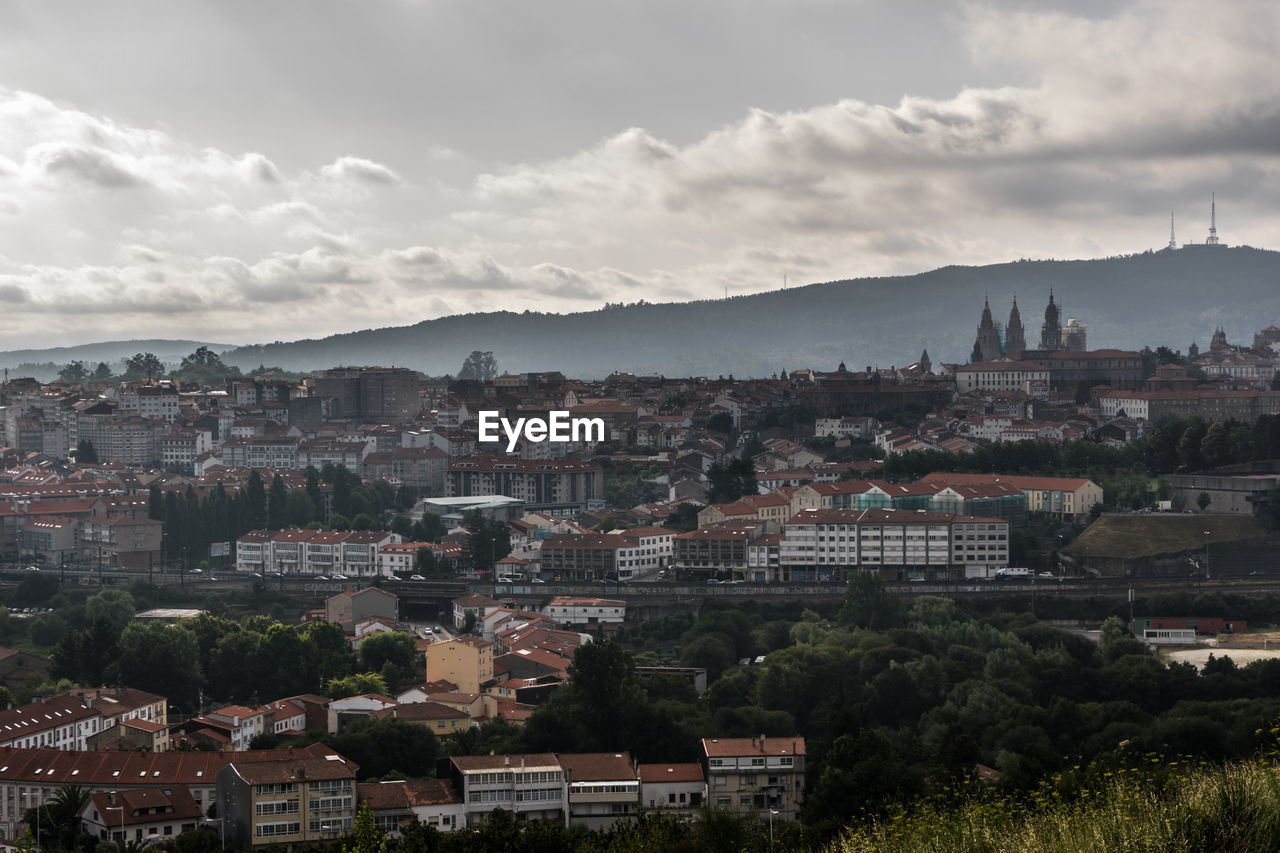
x=343, y=711
x=431, y=802
x=569, y=610
x=141, y=814
x=677, y=788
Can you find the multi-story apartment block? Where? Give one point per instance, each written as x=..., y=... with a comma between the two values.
x=557, y=487
x=31, y=777
x=718, y=549
x=464, y=661
x=530, y=786
x=314, y=552
x=122, y=541
x=289, y=800
x=61, y=722
x=616, y=556
x=261, y=452
x=602, y=788
x=899, y=544
x=420, y=468
x=755, y=775
x=370, y=394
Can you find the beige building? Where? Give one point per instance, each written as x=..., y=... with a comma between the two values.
x=289, y=800
x=361, y=604
x=466, y=661
x=755, y=775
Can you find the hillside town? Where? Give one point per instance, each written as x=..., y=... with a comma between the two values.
x=441, y=586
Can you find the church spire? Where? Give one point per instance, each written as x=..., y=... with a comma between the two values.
x=1051, y=331
x=987, y=345
x=1015, y=339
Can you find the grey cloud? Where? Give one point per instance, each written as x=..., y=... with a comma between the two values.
x=87, y=165
x=12, y=293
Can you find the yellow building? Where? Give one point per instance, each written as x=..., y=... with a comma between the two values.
x=465, y=661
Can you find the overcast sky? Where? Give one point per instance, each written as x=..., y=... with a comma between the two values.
x=243, y=172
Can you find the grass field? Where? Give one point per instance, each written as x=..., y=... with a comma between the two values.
x=1146, y=807
x=1159, y=534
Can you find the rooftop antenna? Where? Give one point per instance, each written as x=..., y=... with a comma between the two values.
x=1213, y=220
x=1173, y=244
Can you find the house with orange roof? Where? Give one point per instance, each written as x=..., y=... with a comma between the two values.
x=755, y=775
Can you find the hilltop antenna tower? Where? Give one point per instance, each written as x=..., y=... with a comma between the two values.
x=1173, y=243
x=1213, y=221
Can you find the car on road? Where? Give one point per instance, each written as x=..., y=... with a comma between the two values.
x=416, y=578
x=537, y=580
x=506, y=579
x=1044, y=574
x=337, y=577
x=33, y=568
x=1257, y=572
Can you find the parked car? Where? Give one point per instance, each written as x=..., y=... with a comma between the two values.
x=537, y=580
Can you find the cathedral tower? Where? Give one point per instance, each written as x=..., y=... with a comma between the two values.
x=1015, y=340
x=987, y=346
x=1051, y=331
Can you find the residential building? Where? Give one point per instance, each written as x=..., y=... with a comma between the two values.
x=602, y=788
x=532, y=787
x=559, y=487
x=677, y=788
x=466, y=661
x=288, y=800
x=569, y=610
x=360, y=604
x=431, y=802
x=755, y=775
x=141, y=814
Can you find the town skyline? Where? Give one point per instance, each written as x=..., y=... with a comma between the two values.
x=351, y=170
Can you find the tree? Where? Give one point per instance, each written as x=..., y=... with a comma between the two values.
x=143, y=365
x=276, y=500
x=480, y=366
x=114, y=606
x=257, y=497
x=730, y=481
x=488, y=540
x=1203, y=500
x=394, y=647
x=102, y=372
x=73, y=373
x=355, y=685
x=86, y=453
x=204, y=367
x=163, y=659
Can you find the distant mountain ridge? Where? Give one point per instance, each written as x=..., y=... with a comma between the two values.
x=1166, y=298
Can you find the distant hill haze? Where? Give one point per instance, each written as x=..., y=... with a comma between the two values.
x=1168, y=298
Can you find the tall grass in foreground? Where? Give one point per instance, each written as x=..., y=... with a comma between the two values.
x=1232, y=808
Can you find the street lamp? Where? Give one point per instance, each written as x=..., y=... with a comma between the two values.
x=772, y=812
x=119, y=808
x=1208, y=574
x=38, y=807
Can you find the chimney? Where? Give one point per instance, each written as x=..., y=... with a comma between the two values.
x=506, y=760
